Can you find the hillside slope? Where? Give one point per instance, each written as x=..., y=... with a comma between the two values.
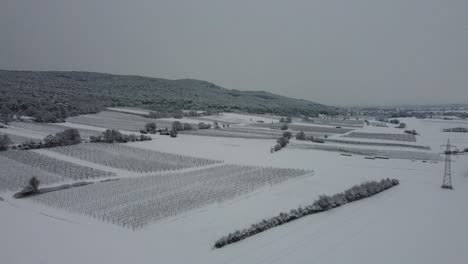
x=56, y=95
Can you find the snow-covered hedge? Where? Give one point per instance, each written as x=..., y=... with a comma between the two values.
x=456, y=129
x=112, y=135
x=323, y=203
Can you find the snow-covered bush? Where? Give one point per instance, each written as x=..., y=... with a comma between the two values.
x=316, y=139
x=5, y=142
x=177, y=126
x=202, y=125
x=67, y=137
x=411, y=132
x=283, y=141
x=188, y=126
x=29, y=144
x=142, y=138
x=150, y=128
x=323, y=203
x=173, y=133
x=287, y=135
x=30, y=189
x=112, y=135
x=301, y=136
x=277, y=147
x=456, y=129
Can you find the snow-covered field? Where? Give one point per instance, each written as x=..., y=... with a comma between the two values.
x=116, y=120
x=136, y=202
x=415, y=222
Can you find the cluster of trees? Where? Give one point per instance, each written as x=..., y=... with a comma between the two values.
x=284, y=127
x=112, y=135
x=286, y=120
x=149, y=128
x=6, y=116
x=323, y=203
x=302, y=136
x=173, y=133
x=178, y=126
x=30, y=189
x=54, y=96
x=5, y=142
x=175, y=127
x=401, y=125
x=176, y=113
x=69, y=136
x=30, y=144
x=202, y=125
x=282, y=141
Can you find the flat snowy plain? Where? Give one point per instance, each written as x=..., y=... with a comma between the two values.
x=415, y=222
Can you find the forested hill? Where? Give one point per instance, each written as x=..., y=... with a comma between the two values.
x=50, y=96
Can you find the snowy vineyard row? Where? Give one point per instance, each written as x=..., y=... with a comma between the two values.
x=382, y=136
x=393, y=154
x=229, y=133
x=15, y=175
x=135, y=202
x=305, y=128
x=131, y=158
x=370, y=143
x=324, y=203
x=48, y=128
x=62, y=168
x=115, y=120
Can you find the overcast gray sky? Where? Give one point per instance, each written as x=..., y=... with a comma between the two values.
x=328, y=51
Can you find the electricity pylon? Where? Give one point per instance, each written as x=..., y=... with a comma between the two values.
x=447, y=183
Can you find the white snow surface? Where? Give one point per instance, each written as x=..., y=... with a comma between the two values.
x=137, y=111
x=242, y=118
x=415, y=222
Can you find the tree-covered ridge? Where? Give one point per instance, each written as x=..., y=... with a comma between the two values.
x=53, y=96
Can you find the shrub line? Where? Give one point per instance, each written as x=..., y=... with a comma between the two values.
x=322, y=204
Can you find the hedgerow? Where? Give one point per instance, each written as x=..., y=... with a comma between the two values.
x=324, y=203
